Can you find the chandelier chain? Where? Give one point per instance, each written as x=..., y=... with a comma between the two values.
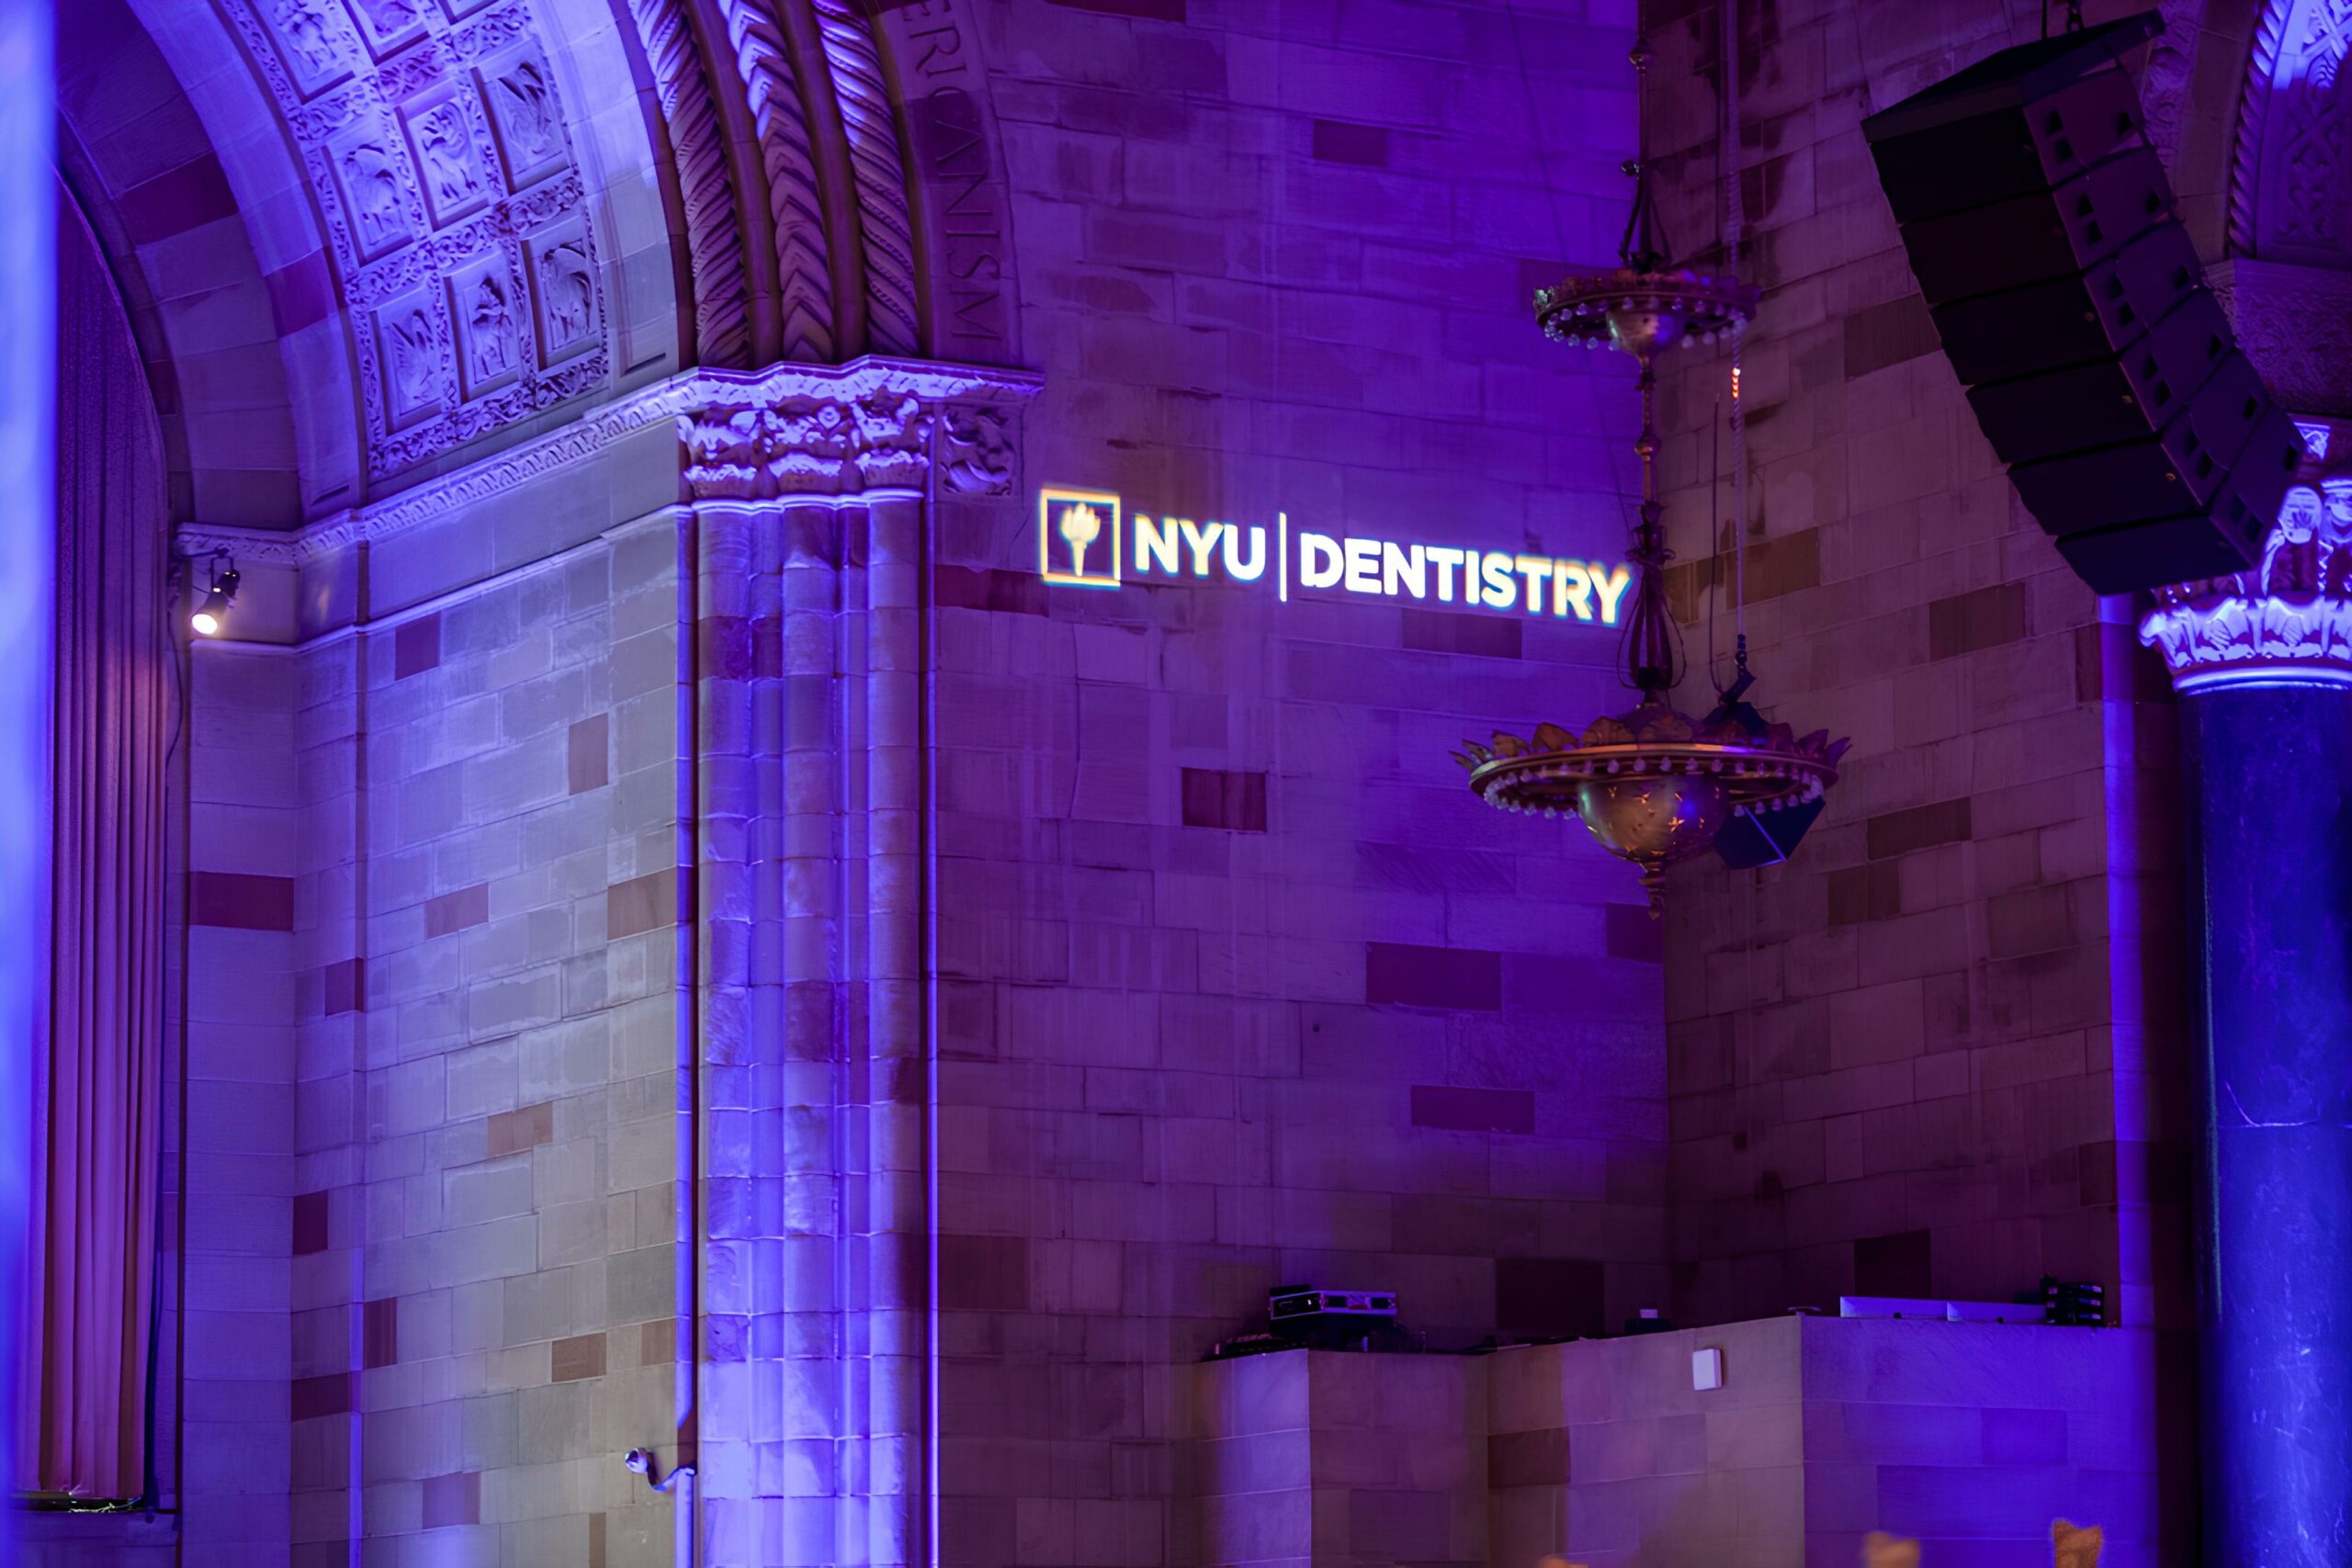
x=1734, y=231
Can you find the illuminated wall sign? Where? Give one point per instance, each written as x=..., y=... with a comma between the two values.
x=1085, y=539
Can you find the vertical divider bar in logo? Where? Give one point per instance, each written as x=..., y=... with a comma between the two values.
x=1282, y=556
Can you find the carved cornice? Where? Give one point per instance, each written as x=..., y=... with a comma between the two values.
x=2289, y=622
x=790, y=429
x=246, y=547
x=836, y=446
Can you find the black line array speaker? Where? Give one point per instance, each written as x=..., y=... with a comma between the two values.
x=2072, y=306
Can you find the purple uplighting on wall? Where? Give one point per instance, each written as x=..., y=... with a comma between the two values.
x=811, y=909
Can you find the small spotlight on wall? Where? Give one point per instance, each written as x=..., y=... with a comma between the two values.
x=212, y=613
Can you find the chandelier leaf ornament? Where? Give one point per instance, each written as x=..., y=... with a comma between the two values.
x=1655, y=785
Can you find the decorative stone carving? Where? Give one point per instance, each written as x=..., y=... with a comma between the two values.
x=415, y=348
x=714, y=237
x=803, y=447
x=869, y=118
x=313, y=40
x=832, y=440
x=564, y=284
x=2288, y=621
x=976, y=454
x=389, y=23
x=873, y=416
x=375, y=184
x=529, y=121
x=246, y=545
x=804, y=285
x=2289, y=200
x=433, y=166
x=390, y=17
x=443, y=135
x=489, y=326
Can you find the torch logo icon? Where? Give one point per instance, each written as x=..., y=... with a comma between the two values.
x=1078, y=537
x=1081, y=527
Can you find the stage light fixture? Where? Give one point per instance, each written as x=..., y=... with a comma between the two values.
x=212, y=613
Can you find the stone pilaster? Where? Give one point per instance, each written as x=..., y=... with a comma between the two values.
x=811, y=499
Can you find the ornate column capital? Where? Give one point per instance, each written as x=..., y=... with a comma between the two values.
x=873, y=424
x=2286, y=622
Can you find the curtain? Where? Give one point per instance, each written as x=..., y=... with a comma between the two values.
x=97, y=1122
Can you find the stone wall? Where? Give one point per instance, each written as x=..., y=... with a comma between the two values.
x=1932, y=1055
x=244, y=856
x=1077, y=965
x=485, y=1222
x=1239, y=986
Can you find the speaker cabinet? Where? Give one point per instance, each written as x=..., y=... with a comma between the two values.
x=2071, y=304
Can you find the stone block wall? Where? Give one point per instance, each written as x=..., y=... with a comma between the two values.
x=486, y=1237
x=243, y=1225
x=1238, y=985
x=1937, y=1052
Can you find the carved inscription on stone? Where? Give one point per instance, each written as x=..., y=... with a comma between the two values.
x=954, y=137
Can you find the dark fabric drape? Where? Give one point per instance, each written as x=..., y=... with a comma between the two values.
x=97, y=1112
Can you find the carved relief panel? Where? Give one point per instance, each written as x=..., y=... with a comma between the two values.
x=435, y=137
x=482, y=302
x=412, y=345
x=526, y=115
x=446, y=141
x=564, y=291
x=387, y=25
x=313, y=42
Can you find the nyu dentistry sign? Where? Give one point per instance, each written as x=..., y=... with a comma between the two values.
x=1085, y=539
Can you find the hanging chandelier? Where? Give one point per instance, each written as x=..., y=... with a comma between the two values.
x=1655, y=785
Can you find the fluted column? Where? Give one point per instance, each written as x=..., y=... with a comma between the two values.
x=2263, y=664
x=809, y=493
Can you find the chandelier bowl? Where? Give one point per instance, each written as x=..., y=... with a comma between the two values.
x=1642, y=313
x=1653, y=786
